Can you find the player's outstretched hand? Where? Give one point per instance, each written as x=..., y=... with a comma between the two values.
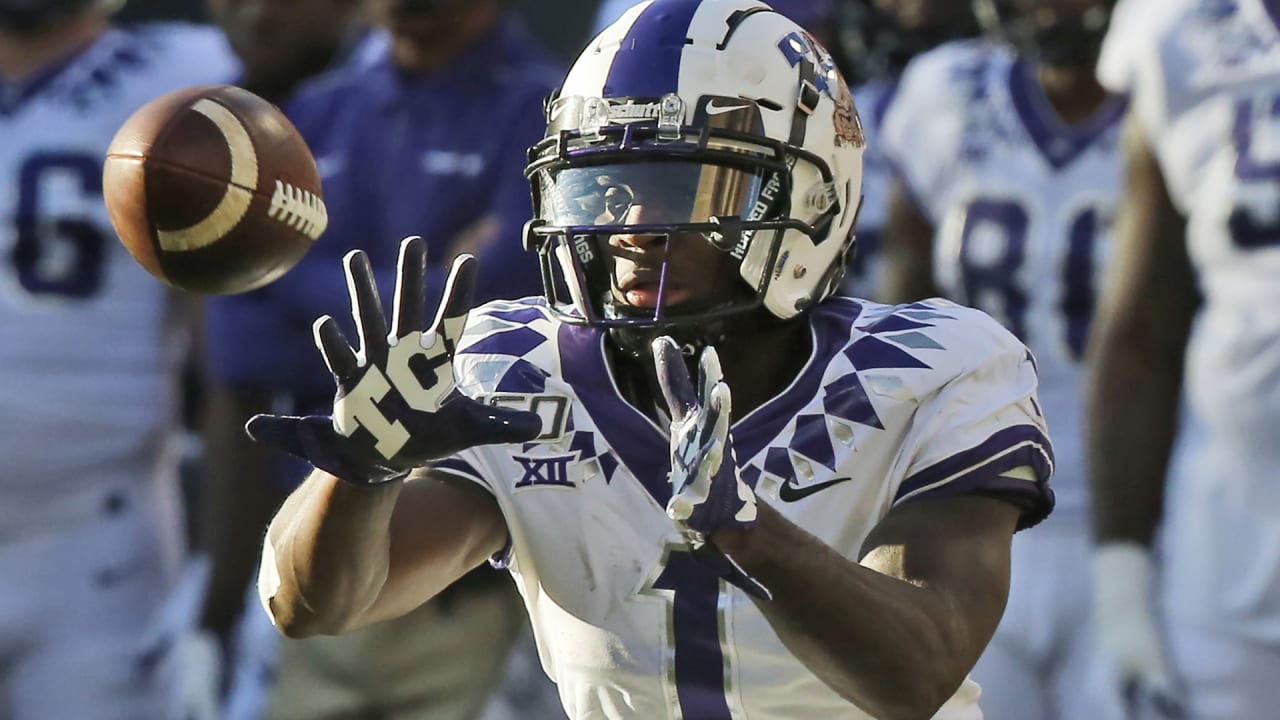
x=396, y=406
x=707, y=493
x=1130, y=677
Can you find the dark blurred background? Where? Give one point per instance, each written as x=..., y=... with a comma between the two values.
x=561, y=24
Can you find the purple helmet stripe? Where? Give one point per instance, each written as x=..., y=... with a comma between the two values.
x=647, y=63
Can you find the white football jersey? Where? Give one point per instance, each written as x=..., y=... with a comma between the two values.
x=896, y=404
x=1206, y=88
x=85, y=358
x=1022, y=207
x=1205, y=81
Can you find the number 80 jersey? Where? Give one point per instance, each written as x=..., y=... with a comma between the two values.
x=1021, y=204
x=894, y=405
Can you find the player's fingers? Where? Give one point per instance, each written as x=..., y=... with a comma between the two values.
x=709, y=374
x=459, y=290
x=721, y=403
x=334, y=348
x=673, y=377
x=410, y=313
x=366, y=307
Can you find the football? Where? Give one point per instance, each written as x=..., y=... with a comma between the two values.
x=213, y=190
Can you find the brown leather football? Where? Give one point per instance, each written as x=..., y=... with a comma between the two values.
x=213, y=190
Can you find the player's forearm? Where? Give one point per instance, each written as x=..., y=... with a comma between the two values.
x=893, y=648
x=330, y=545
x=1132, y=422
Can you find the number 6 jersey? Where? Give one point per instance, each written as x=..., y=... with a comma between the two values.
x=1021, y=204
x=85, y=358
x=895, y=404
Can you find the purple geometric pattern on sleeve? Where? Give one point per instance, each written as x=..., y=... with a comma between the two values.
x=520, y=315
x=813, y=441
x=847, y=399
x=872, y=353
x=777, y=461
x=893, y=323
x=810, y=435
x=523, y=377
x=517, y=342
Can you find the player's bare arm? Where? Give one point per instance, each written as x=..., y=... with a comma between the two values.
x=359, y=520
x=1136, y=349
x=897, y=633
x=348, y=556
x=907, y=250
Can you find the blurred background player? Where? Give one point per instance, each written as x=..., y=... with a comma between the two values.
x=876, y=39
x=91, y=535
x=281, y=43
x=423, y=131
x=1009, y=170
x=1196, y=277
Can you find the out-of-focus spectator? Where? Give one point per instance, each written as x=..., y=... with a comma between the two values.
x=424, y=131
x=91, y=536
x=279, y=44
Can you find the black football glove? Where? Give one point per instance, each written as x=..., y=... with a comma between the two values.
x=396, y=407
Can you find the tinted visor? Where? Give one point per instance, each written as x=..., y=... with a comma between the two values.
x=648, y=193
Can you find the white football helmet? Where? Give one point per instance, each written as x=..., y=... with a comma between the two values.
x=733, y=125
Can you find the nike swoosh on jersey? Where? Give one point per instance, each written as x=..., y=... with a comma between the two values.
x=714, y=109
x=790, y=493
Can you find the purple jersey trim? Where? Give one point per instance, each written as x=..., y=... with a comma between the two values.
x=979, y=469
x=647, y=63
x=1273, y=11
x=1058, y=142
x=457, y=466
x=832, y=325
x=634, y=438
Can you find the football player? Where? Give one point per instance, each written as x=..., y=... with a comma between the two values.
x=1191, y=294
x=90, y=519
x=722, y=489
x=1008, y=172
x=878, y=38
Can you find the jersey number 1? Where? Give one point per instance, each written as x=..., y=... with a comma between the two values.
x=699, y=662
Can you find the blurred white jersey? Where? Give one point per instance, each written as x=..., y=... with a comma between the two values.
x=896, y=404
x=1204, y=77
x=1022, y=206
x=84, y=356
